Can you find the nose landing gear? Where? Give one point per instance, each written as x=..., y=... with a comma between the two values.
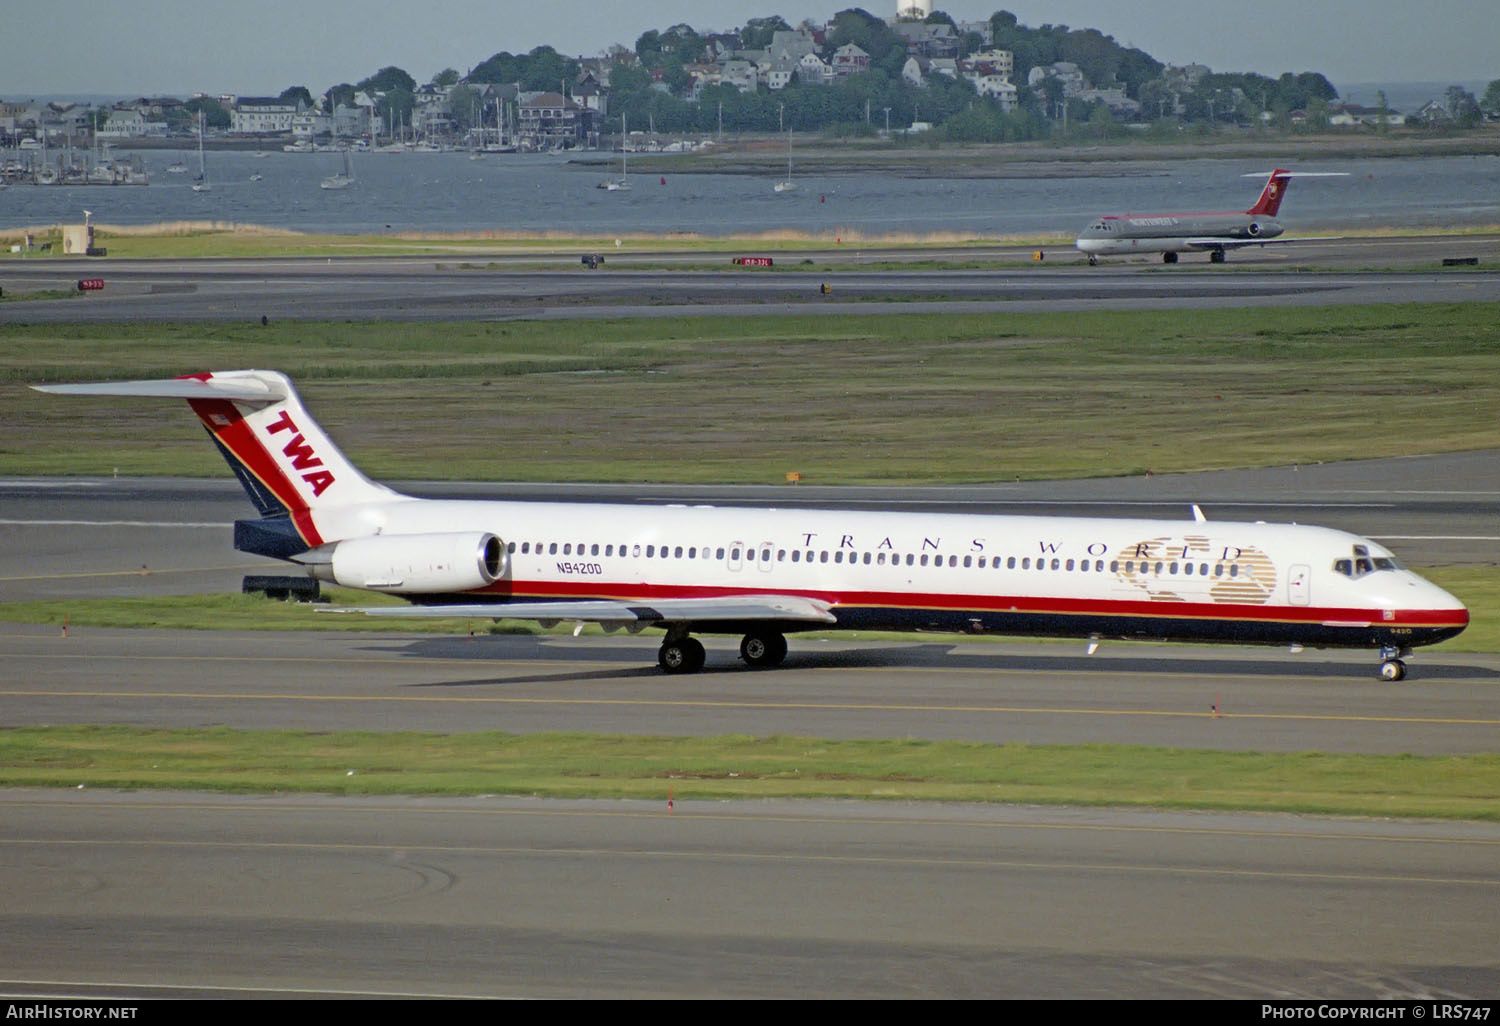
x=1392, y=666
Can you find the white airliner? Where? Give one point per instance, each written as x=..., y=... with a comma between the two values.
x=1170, y=234
x=763, y=573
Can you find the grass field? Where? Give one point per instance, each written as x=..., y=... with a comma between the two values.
x=846, y=397
x=716, y=768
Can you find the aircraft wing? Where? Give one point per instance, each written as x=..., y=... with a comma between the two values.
x=736, y=608
x=1220, y=243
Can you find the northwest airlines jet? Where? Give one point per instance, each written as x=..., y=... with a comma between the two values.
x=1170, y=234
x=764, y=573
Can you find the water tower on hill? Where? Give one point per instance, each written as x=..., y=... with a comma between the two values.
x=913, y=10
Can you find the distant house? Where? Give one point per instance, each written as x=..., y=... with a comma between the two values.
x=1065, y=72
x=1000, y=89
x=548, y=121
x=793, y=44
x=125, y=124
x=983, y=29
x=1120, y=105
x=813, y=70
x=994, y=62
x=1352, y=114
x=778, y=74
x=1186, y=76
x=310, y=124
x=928, y=40
x=263, y=116
x=850, y=59
x=1434, y=112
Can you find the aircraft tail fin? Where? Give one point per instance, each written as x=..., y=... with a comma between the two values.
x=1272, y=195
x=286, y=462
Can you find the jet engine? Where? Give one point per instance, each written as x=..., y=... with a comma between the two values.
x=418, y=563
x=1253, y=230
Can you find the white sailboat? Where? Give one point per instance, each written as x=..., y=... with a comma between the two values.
x=787, y=185
x=200, y=184
x=343, y=179
x=621, y=184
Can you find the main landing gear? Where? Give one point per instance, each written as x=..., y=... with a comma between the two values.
x=683, y=654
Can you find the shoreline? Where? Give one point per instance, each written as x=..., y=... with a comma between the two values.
x=927, y=156
x=1106, y=158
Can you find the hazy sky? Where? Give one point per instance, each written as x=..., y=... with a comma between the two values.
x=176, y=47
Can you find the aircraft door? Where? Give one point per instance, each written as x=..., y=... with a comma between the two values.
x=734, y=556
x=767, y=556
x=1299, y=585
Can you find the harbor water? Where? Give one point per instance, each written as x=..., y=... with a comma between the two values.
x=449, y=192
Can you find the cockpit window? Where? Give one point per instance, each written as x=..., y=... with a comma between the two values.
x=1363, y=563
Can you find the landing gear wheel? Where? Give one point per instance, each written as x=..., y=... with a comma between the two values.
x=1093, y=260
x=1169, y=258
x=1216, y=257
x=685, y=656
x=1393, y=670
x=767, y=649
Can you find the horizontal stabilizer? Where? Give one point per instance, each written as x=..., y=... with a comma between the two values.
x=1296, y=174
x=737, y=608
x=244, y=389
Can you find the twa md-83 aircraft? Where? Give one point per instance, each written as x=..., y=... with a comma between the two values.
x=1170, y=234
x=763, y=573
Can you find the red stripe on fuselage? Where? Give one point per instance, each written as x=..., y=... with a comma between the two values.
x=1020, y=604
x=223, y=418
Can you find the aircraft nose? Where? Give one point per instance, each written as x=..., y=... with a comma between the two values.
x=1423, y=600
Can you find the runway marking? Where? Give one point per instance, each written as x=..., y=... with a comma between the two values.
x=143, y=572
x=111, y=986
x=714, y=856
x=113, y=523
x=686, y=812
x=1437, y=537
x=682, y=703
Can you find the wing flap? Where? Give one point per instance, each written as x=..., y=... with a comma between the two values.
x=657, y=611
